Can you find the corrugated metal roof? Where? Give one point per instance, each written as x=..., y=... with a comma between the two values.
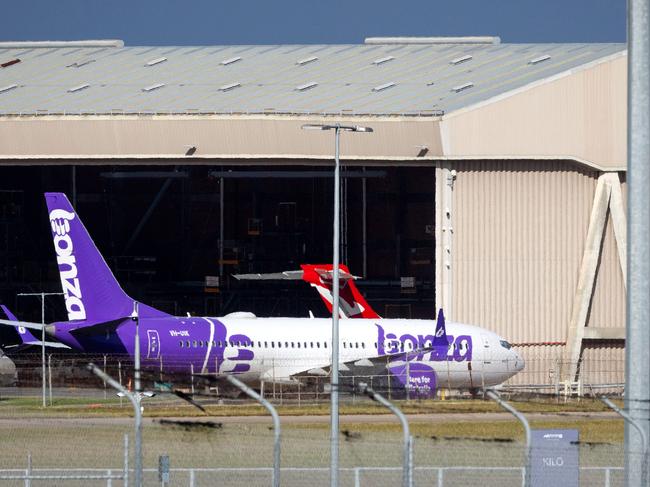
x=423, y=79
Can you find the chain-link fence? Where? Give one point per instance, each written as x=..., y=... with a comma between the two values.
x=461, y=440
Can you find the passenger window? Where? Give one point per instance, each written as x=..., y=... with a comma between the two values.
x=356, y=344
x=311, y=344
x=291, y=344
x=305, y=343
x=363, y=344
x=344, y=345
x=266, y=344
x=324, y=344
x=298, y=344
x=272, y=344
x=181, y=343
x=187, y=343
x=376, y=345
x=286, y=344
x=317, y=344
x=279, y=344
x=195, y=343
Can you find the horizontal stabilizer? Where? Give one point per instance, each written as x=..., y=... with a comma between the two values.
x=24, y=324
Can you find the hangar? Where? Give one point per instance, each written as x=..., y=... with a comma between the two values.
x=493, y=184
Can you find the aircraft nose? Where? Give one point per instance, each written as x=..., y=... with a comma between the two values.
x=520, y=363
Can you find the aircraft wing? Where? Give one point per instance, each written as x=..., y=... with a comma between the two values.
x=37, y=343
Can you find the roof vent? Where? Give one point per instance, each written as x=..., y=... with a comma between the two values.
x=51, y=44
x=383, y=87
x=231, y=60
x=10, y=63
x=383, y=60
x=307, y=60
x=306, y=86
x=461, y=59
x=159, y=60
x=8, y=88
x=153, y=87
x=229, y=87
x=78, y=88
x=539, y=59
x=462, y=87
x=78, y=64
x=433, y=40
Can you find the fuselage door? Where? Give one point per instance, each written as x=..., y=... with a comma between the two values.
x=487, y=350
x=153, y=350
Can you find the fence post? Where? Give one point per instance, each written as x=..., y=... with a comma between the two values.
x=105, y=394
x=109, y=480
x=135, y=400
x=28, y=472
x=357, y=477
x=441, y=477
x=407, y=480
x=119, y=375
x=49, y=375
x=192, y=477
x=126, y=460
x=493, y=395
x=192, y=376
x=276, y=424
x=637, y=426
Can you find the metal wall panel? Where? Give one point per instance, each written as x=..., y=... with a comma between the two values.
x=519, y=231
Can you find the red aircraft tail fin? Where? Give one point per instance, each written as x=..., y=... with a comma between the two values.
x=352, y=304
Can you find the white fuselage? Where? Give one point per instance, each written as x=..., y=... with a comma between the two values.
x=276, y=349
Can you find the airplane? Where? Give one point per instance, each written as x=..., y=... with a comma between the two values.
x=352, y=304
x=419, y=355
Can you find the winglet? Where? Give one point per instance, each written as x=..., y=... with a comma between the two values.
x=441, y=331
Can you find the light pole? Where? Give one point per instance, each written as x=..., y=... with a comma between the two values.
x=334, y=379
x=42, y=295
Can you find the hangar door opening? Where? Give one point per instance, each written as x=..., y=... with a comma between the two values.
x=174, y=235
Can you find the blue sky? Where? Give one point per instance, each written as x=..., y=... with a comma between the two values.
x=205, y=22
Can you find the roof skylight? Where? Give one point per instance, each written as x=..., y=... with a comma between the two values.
x=307, y=60
x=306, y=86
x=153, y=87
x=159, y=60
x=461, y=59
x=78, y=88
x=231, y=60
x=8, y=88
x=462, y=87
x=80, y=63
x=383, y=60
x=539, y=59
x=385, y=86
x=229, y=87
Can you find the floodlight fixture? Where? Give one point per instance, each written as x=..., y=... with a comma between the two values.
x=345, y=128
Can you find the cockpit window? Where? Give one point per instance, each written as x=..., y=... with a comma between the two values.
x=505, y=344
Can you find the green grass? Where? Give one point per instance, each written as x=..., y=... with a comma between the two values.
x=164, y=406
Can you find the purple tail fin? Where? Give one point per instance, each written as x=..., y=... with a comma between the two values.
x=24, y=334
x=91, y=291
